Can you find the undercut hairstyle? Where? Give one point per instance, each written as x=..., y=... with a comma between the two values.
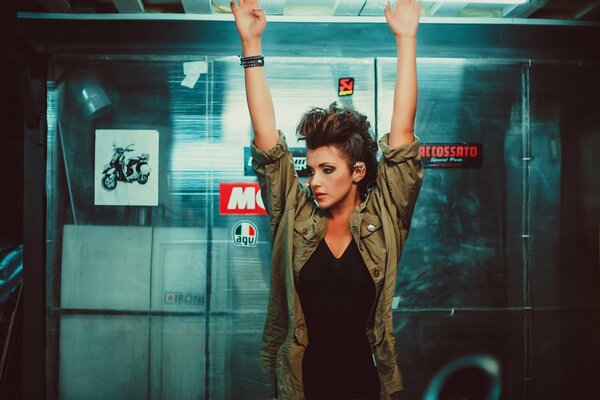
x=346, y=129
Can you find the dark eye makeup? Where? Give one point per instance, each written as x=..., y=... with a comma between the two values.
x=326, y=169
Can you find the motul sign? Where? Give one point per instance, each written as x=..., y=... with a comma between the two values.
x=240, y=199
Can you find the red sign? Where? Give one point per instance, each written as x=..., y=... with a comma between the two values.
x=240, y=198
x=451, y=155
x=345, y=86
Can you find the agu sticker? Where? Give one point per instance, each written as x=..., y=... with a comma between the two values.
x=245, y=234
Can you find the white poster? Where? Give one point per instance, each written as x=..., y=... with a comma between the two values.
x=126, y=167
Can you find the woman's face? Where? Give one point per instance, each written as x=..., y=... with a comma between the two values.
x=330, y=178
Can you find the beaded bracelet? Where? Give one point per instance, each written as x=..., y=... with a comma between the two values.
x=253, y=61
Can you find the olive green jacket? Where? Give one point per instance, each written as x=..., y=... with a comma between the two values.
x=379, y=225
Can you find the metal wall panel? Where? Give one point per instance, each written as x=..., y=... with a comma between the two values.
x=427, y=340
x=104, y=357
x=565, y=184
x=456, y=254
x=132, y=357
x=456, y=283
x=565, y=228
x=106, y=267
x=177, y=368
x=178, y=277
x=127, y=263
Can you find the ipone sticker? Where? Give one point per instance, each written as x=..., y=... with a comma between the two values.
x=191, y=299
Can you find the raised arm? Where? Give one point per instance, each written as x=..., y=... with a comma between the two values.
x=404, y=22
x=250, y=21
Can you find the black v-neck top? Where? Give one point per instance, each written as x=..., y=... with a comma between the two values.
x=336, y=296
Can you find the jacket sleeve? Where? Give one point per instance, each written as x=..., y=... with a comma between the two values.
x=280, y=191
x=399, y=178
x=279, y=184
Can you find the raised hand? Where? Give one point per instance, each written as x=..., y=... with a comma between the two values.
x=250, y=19
x=404, y=20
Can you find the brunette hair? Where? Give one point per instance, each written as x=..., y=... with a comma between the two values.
x=346, y=129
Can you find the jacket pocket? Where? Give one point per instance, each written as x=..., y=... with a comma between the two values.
x=373, y=242
x=304, y=230
x=371, y=224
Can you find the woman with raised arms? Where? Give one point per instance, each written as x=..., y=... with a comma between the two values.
x=336, y=244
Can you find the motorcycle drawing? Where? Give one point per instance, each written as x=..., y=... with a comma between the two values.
x=135, y=169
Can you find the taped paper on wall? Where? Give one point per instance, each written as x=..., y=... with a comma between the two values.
x=126, y=167
x=192, y=71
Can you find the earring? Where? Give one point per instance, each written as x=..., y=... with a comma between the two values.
x=361, y=166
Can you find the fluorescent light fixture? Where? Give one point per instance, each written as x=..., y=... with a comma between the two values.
x=478, y=1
